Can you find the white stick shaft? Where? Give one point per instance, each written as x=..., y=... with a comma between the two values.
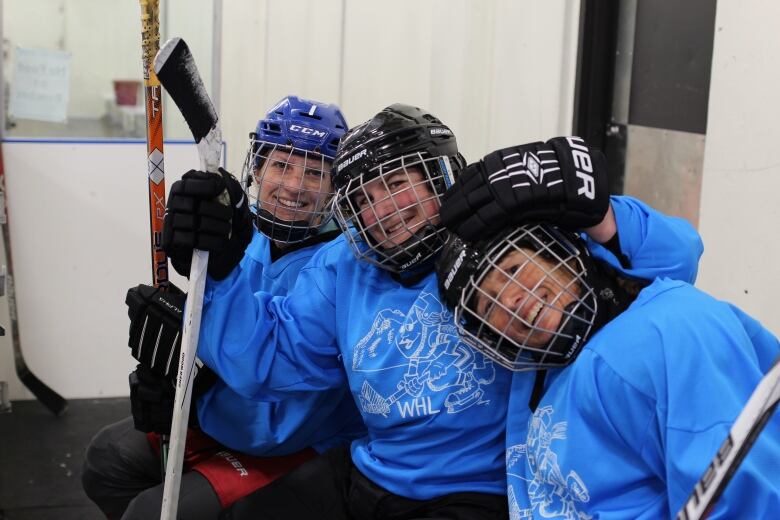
x=184, y=378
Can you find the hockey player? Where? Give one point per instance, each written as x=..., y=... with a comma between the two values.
x=240, y=444
x=434, y=408
x=660, y=375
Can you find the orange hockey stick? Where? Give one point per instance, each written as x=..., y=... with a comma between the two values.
x=150, y=40
x=150, y=43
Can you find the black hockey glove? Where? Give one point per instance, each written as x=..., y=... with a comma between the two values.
x=152, y=398
x=151, y=401
x=560, y=181
x=196, y=219
x=155, y=327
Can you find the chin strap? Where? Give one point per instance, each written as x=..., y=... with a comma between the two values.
x=414, y=255
x=413, y=275
x=538, y=390
x=281, y=230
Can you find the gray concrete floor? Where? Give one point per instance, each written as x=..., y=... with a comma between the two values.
x=41, y=457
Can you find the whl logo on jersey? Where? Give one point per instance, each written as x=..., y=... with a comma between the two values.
x=413, y=364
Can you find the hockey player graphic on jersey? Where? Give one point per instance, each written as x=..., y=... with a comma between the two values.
x=437, y=360
x=550, y=493
x=385, y=328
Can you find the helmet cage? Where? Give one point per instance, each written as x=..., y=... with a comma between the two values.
x=563, y=266
x=289, y=189
x=411, y=180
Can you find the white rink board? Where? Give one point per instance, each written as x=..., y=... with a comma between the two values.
x=80, y=235
x=739, y=210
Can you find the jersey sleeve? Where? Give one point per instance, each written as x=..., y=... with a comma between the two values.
x=276, y=428
x=738, y=353
x=712, y=363
x=656, y=245
x=265, y=346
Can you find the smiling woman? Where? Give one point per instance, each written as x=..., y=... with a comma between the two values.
x=389, y=199
x=396, y=205
x=287, y=168
x=526, y=297
x=291, y=186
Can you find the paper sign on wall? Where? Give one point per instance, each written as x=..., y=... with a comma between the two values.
x=40, y=85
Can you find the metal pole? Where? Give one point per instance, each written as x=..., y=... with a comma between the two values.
x=216, y=55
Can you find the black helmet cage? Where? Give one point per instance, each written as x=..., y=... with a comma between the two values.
x=299, y=204
x=412, y=240
x=536, y=242
x=400, y=139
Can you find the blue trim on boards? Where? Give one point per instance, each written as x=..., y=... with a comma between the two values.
x=89, y=141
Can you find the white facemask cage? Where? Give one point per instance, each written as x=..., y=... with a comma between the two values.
x=289, y=190
x=390, y=214
x=563, y=278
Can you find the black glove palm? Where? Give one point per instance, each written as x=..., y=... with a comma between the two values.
x=559, y=181
x=196, y=219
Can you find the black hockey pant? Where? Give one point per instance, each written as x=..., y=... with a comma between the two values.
x=122, y=475
x=331, y=488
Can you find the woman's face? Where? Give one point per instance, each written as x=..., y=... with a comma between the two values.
x=525, y=297
x=396, y=205
x=293, y=187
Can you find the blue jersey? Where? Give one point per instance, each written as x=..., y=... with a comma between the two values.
x=319, y=420
x=435, y=409
x=629, y=428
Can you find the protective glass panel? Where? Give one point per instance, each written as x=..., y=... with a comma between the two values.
x=72, y=68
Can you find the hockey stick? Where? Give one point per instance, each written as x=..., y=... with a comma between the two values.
x=48, y=397
x=743, y=434
x=177, y=72
x=150, y=44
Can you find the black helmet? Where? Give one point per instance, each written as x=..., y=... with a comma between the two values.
x=569, y=283
x=400, y=138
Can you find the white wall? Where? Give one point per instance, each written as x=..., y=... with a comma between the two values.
x=79, y=219
x=740, y=213
x=499, y=72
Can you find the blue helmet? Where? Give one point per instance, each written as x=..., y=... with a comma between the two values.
x=300, y=123
x=290, y=194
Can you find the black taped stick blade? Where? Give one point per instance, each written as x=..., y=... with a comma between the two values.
x=178, y=74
